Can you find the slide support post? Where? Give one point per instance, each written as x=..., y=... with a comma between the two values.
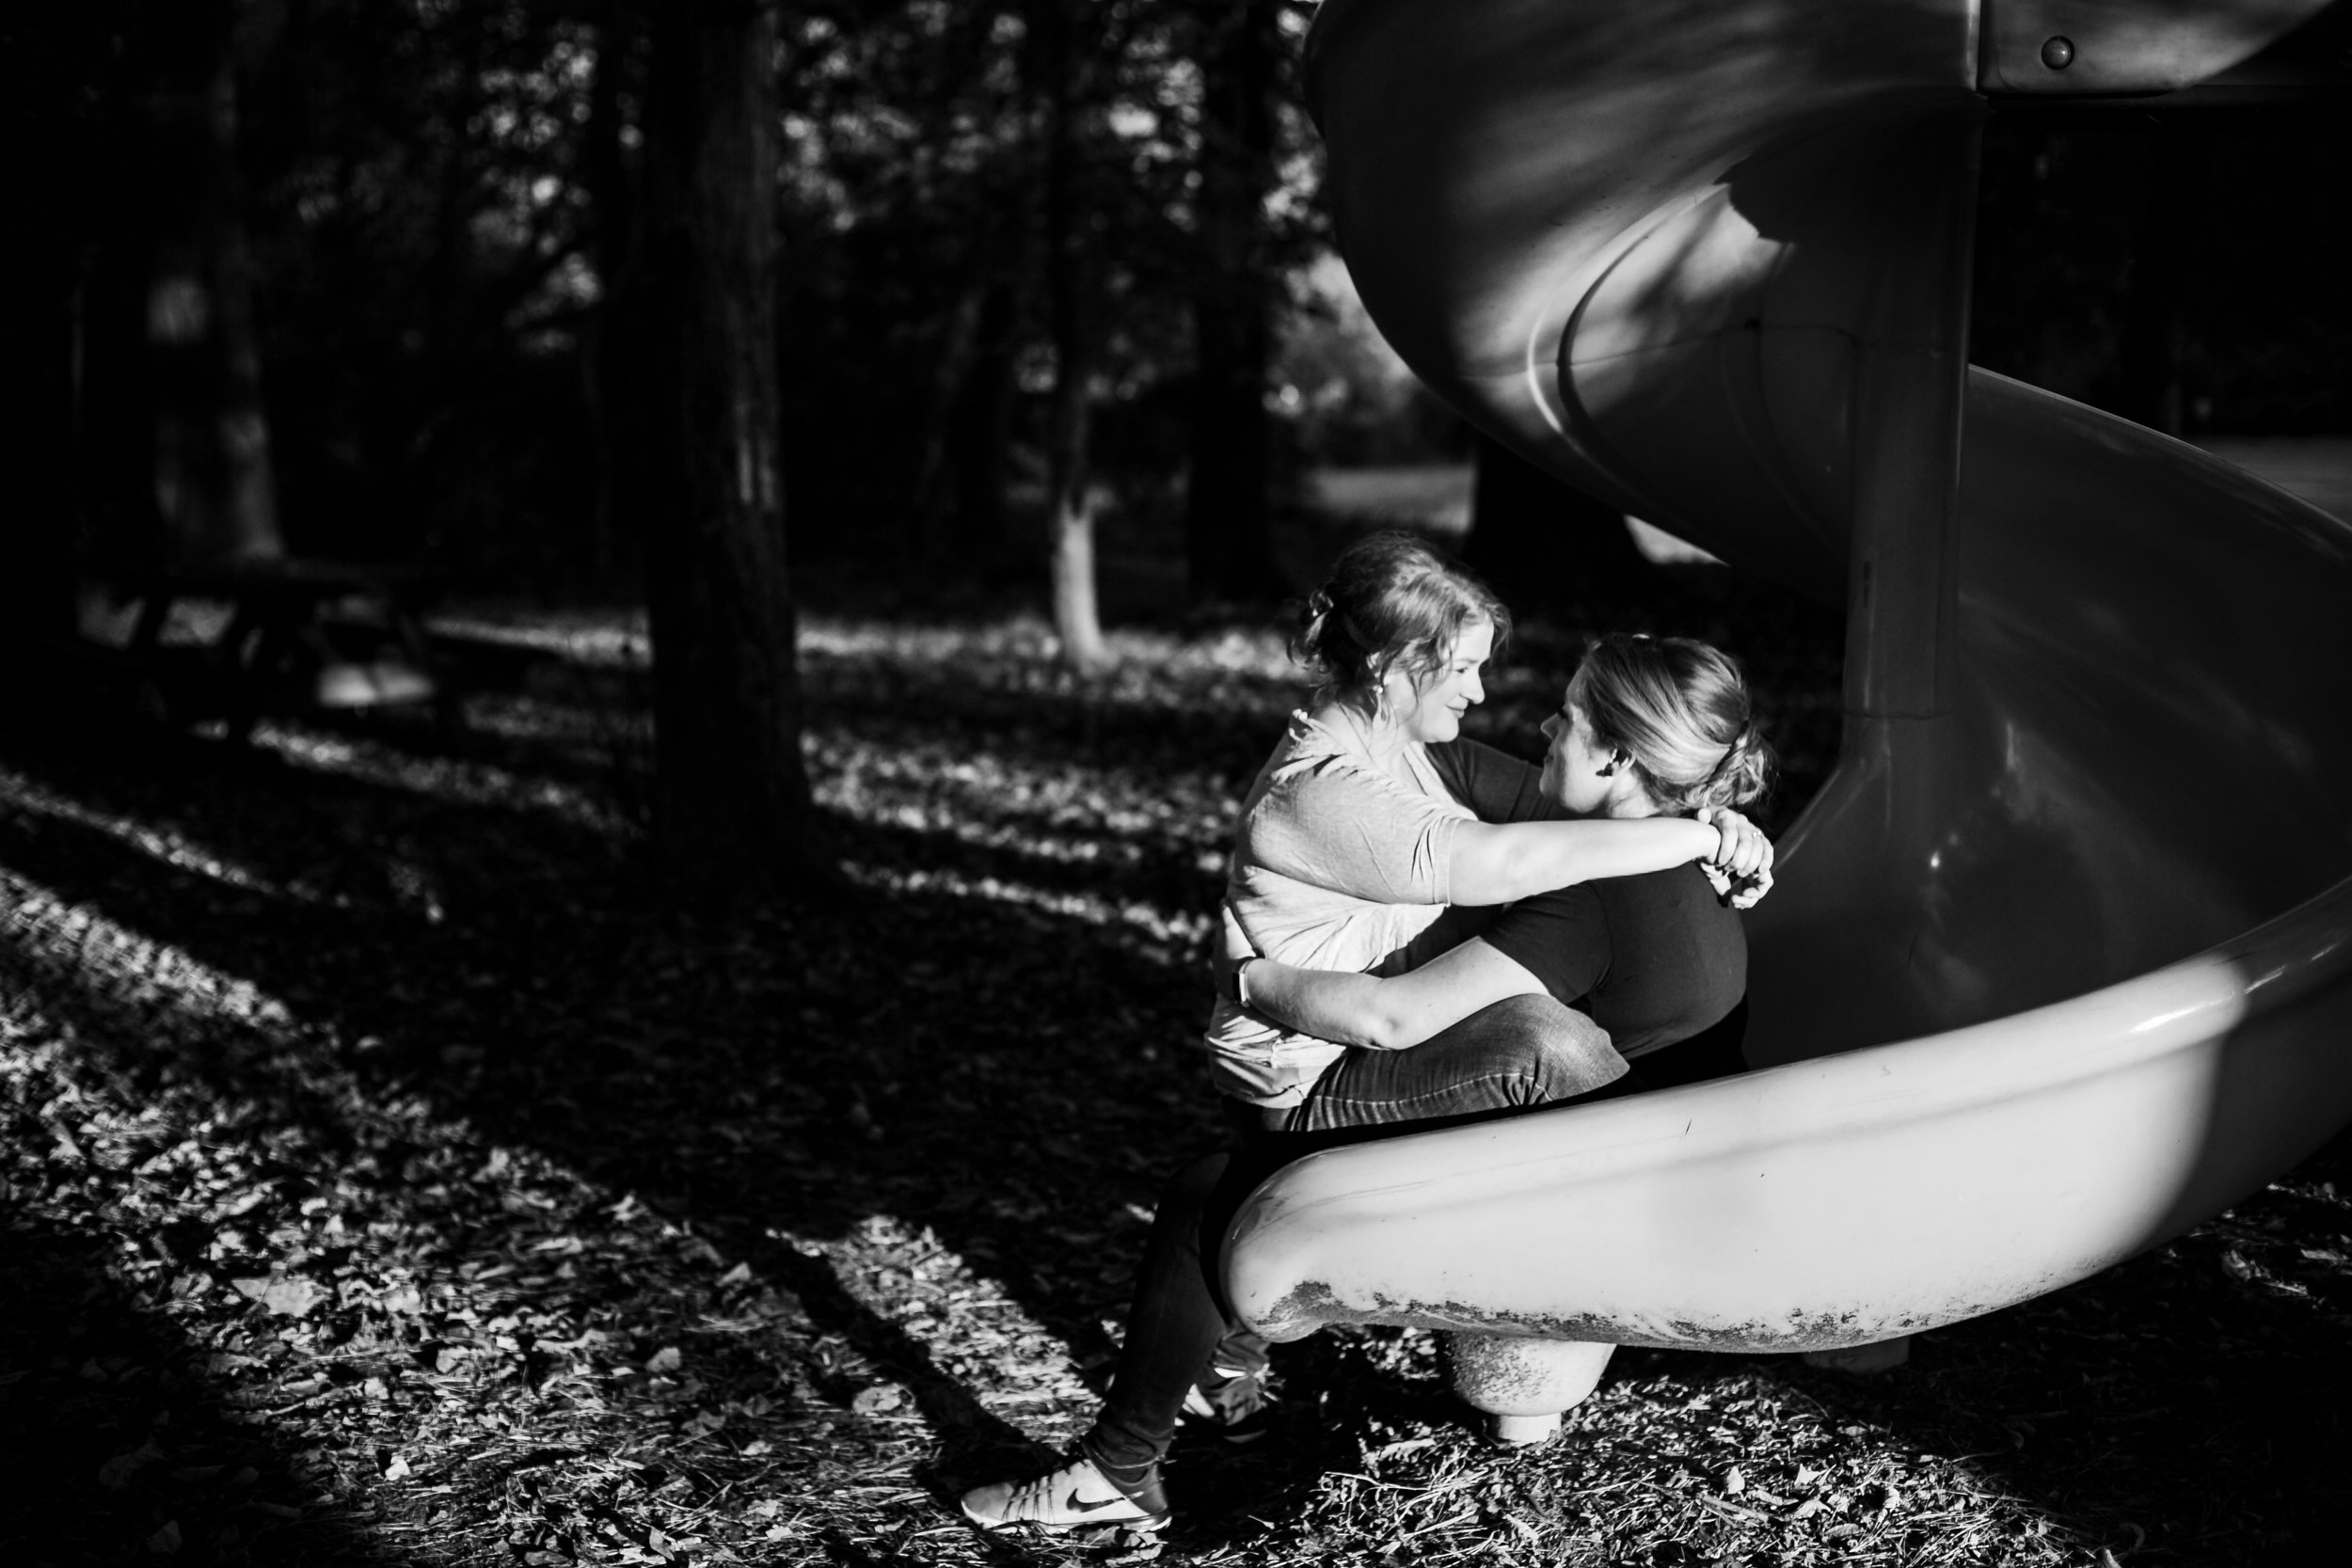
x=1523, y=1384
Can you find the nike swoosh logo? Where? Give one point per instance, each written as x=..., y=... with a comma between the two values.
x=1077, y=1507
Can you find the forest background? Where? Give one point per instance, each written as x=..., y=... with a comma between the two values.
x=370, y=281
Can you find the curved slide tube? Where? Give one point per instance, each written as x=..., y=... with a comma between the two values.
x=2060, y=959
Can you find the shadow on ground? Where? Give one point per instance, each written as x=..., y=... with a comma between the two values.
x=120, y=1445
x=895, y=1056
x=1011, y=1076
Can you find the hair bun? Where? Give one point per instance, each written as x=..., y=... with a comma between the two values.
x=1748, y=767
x=1681, y=708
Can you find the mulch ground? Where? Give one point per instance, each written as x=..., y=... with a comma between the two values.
x=388, y=1182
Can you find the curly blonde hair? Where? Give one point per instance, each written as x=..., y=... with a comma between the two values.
x=1391, y=602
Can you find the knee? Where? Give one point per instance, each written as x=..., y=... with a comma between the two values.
x=1559, y=1051
x=1540, y=1025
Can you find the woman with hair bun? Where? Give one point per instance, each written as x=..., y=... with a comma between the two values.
x=1374, y=837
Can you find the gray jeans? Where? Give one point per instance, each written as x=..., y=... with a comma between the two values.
x=1513, y=1056
x=1522, y=1051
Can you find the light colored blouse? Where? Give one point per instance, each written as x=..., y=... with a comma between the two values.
x=1338, y=865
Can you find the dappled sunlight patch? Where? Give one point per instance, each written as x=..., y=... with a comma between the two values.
x=616, y=638
x=1676, y=1459
x=466, y=781
x=591, y=730
x=1144, y=660
x=1007, y=677
x=1127, y=832
x=160, y=842
x=1003, y=648
x=552, y=1232
x=971, y=1328
x=56, y=942
x=367, y=1320
x=983, y=798
x=1171, y=936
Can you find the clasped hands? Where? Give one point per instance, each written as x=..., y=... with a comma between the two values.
x=1741, y=868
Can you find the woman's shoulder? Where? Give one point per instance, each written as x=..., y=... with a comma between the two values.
x=1332, y=771
x=1680, y=894
x=1315, y=745
x=1309, y=764
x=1327, y=730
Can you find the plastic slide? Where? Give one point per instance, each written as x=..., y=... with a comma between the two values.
x=2061, y=961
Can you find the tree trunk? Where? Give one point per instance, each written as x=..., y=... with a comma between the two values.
x=214, y=484
x=1554, y=545
x=1069, y=510
x=1226, y=512
x=1077, y=619
x=608, y=353
x=1070, y=506
x=732, y=814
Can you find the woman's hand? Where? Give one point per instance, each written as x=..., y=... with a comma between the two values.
x=1745, y=853
x=1743, y=893
x=1235, y=949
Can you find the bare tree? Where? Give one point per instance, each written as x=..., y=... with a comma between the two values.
x=1070, y=309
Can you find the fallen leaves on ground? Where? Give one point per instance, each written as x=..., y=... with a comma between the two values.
x=388, y=1183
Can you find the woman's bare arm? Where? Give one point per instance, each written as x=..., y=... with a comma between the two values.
x=1387, y=1014
x=1497, y=864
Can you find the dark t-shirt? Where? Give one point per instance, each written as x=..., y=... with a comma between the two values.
x=1691, y=974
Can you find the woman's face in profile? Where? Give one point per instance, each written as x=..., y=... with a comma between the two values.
x=1433, y=713
x=1572, y=765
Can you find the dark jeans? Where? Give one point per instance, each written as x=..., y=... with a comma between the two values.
x=1517, y=1055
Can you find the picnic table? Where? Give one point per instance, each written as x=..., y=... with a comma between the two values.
x=277, y=636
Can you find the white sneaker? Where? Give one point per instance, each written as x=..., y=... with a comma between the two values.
x=1076, y=1497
